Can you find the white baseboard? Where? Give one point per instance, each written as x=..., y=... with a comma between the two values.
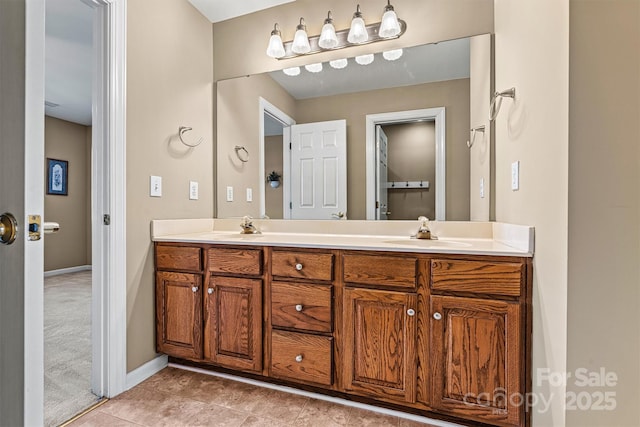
x=150, y=368
x=67, y=270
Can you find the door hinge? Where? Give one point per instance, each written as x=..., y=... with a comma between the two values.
x=106, y=219
x=290, y=147
x=290, y=205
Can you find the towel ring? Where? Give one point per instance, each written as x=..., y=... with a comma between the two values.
x=473, y=135
x=184, y=129
x=245, y=157
x=496, y=101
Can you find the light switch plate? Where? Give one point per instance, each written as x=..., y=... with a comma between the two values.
x=155, y=186
x=229, y=194
x=249, y=195
x=515, y=175
x=193, y=190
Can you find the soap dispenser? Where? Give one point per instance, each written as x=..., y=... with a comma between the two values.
x=423, y=232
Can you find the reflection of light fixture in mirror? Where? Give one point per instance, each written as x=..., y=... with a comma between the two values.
x=275, y=48
x=293, y=71
x=338, y=64
x=389, y=27
x=358, y=32
x=314, y=68
x=364, y=59
x=301, y=40
x=328, y=38
x=392, y=55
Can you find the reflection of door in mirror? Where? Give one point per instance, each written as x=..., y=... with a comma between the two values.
x=382, y=210
x=273, y=151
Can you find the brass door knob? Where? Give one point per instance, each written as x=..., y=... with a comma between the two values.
x=8, y=228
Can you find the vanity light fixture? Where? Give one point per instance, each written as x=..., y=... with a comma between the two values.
x=339, y=64
x=328, y=38
x=292, y=72
x=275, y=48
x=301, y=39
x=392, y=55
x=389, y=27
x=314, y=68
x=358, y=32
x=364, y=59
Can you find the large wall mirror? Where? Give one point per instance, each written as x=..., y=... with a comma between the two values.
x=379, y=137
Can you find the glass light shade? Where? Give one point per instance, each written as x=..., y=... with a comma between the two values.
x=338, y=64
x=314, y=68
x=293, y=71
x=364, y=59
x=328, y=38
x=275, y=48
x=300, y=43
x=358, y=32
x=389, y=27
x=392, y=55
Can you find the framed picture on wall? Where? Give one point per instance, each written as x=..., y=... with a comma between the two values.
x=57, y=177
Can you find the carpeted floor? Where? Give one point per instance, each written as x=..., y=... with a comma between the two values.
x=67, y=346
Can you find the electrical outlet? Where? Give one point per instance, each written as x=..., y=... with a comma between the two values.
x=482, y=188
x=515, y=175
x=193, y=190
x=249, y=195
x=229, y=194
x=155, y=186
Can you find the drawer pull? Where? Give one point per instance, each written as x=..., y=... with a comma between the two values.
x=210, y=291
x=299, y=358
x=298, y=266
x=411, y=312
x=299, y=307
x=437, y=316
x=194, y=289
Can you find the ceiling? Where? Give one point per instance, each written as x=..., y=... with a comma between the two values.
x=221, y=10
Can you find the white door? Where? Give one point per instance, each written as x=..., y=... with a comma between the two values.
x=318, y=173
x=382, y=203
x=21, y=194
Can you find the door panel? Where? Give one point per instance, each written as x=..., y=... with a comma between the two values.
x=382, y=205
x=318, y=170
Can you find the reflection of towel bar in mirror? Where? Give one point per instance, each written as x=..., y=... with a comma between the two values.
x=243, y=158
x=402, y=185
x=473, y=135
x=184, y=129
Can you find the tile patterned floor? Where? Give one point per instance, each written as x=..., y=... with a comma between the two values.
x=175, y=397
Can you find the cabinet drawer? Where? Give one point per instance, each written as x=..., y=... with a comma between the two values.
x=235, y=261
x=301, y=357
x=301, y=306
x=178, y=258
x=477, y=276
x=393, y=271
x=302, y=265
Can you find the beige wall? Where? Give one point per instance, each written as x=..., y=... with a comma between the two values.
x=169, y=84
x=532, y=55
x=481, y=152
x=238, y=124
x=604, y=204
x=71, y=246
x=452, y=94
x=411, y=155
x=273, y=162
x=427, y=21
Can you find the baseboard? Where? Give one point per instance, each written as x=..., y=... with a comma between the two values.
x=67, y=270
x=150, y=368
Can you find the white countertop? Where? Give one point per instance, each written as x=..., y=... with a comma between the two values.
x=473, y=238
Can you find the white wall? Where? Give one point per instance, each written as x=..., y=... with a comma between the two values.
x=532, y=55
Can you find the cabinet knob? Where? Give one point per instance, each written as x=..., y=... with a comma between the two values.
x=299, y=358
x=411, y=312
x=437, y=316
x=299, y=307
x=210, y=291
x=298, y=266
x=194, y=289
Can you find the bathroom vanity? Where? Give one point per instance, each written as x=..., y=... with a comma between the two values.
x=438, y=328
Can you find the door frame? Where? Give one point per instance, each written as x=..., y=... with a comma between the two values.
x=265, y=106
x=438, y=115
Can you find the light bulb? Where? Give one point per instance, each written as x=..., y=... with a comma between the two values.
x=275, y=49
x=328, y=38
x=300, y=43
x=389, y=27
x=293, y=71
x=314, y=68
x=338, y=64
x=364, y=59
x=358, y=32
x=392, y=55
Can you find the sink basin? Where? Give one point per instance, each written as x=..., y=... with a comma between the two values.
x=239, y=236
x=424, y=243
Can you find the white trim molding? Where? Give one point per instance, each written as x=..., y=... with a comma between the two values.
x=438, y=115
x=67, y=270
x=147, y=370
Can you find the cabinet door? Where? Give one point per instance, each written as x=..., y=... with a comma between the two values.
x=179, y=314
x=233, y=323
x=476, y=349
x=379, y=344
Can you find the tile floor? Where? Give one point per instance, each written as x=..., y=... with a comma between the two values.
x=175, y=397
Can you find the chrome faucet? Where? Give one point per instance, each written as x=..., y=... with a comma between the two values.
x=247, y=226
x=424, y=232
